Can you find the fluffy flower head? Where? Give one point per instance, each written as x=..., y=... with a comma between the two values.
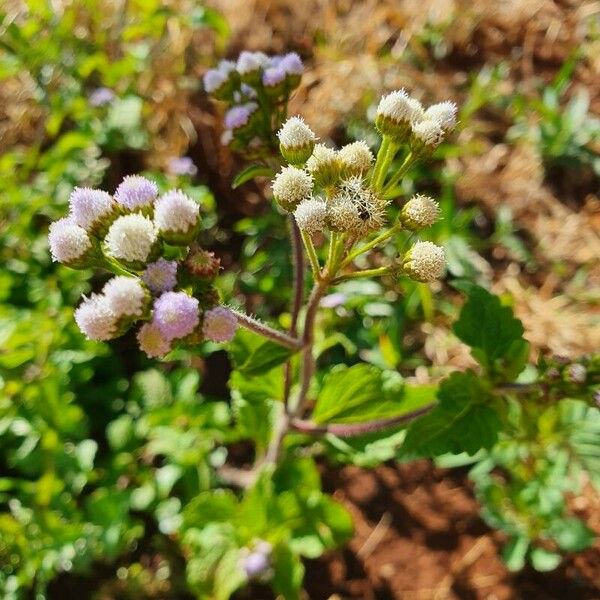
x=238, y=116
x=295, y=133
x=273, y=76
x=356, y=158
x=152, y=341
x=161, y=276
x=68, y=241
x=251, y=61
x=126, y=296
x=311, y=215
x=176, y=314
x=131, y=238
x=444, y=114
x=369, y=206
x=291, y=63
x=400, y=107
x=419, y=212
x=425, y=262
x=96, y=319
x=176, y=212
x=88, y=206
x=136, y=192
x=323, y=165
x=290, y=186
x=429, y=133
x=219, y=325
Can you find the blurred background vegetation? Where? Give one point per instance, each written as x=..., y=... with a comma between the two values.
x=101, y=449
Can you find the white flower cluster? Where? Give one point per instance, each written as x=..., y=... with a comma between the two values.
x=419, y=212
x=400, y=115
x=291, y=186
x=425, y=262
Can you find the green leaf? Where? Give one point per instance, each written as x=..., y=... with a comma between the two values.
x=364, y=392
x=229, y=575
x=493, y=333
x=462, y=422
x=250, y=172
x=255, y=402
x=288, y=572
x=254, y=355
x=544, y=560
x=207, y=507
x=572, y=535
x=514, y=553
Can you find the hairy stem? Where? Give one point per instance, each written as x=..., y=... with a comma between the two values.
x=279, y=337
x=298, y=295
x=354, y=429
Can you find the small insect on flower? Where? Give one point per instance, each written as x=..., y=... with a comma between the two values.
x=152, y=341
x=296, y=141
x=324, y=166
x=95, y=318
x=443, y=113
x=176, y=314
x=396, y=112
x=161, y=276
x=290, y=186
x=311, y=215
x=425, y=262
x=126, y=296
x=177, y=217
x=369, y=207
x=132, y=239
x=136, y=192
x=355, y=158
x=419, y=212
x=91, y=209
x=69, y=243
x=219, y=325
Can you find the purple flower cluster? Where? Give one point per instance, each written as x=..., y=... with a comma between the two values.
x=132, y=234
x=240, y=83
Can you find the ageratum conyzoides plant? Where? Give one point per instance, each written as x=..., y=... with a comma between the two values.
x=258, y=522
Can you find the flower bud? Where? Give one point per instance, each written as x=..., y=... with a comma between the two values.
x=176, y=314
x=290, y=186
x=291, y=63
x=426, y=136
x=161, y=276
x=324, y=166
x=296, y=141
x=311, y=215
x=202, y=264
x=222, y=81
x=94, y=210
x=70, y=244
x=152, y=342
x=443, y=113
x=136, y=193
x=424, y=262
x=273, y=80
x=419, y=212
x=355, y=159
x=132, y=239
x=127, y=297
x=177, y=217
x=395, y=113
x=219, y=324
x=95, y=318
x=239, y=119
x=250, y=65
